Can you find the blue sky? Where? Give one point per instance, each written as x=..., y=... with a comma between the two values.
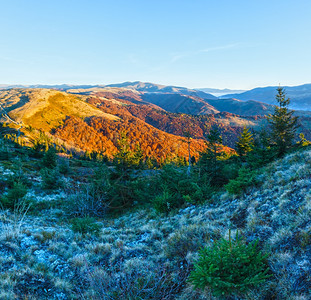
x=200, y=43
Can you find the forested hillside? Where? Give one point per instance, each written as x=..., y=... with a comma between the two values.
x=75, y=228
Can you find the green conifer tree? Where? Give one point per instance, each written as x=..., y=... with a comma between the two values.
x=283, y=124
x=127, y=158
x=245, y=142
x=209, y=161
x=49, y=159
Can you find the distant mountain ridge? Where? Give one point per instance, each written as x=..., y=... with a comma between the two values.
x=148, y=87
x=219, y=92
x=192, y=101
x=300, y=96
x=92, y=119
x=145, y=87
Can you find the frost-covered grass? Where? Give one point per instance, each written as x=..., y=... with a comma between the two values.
x=145, y=255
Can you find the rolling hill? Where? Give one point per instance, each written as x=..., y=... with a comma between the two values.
x=88, y=118
x=88, y=123
x=300, y=95
x=46, y=109
x=189, y=101
x=148, y=87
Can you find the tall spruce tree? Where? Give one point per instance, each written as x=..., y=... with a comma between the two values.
x=127, y=158
x=282, y=123
x=245, y=142
x=209, y=160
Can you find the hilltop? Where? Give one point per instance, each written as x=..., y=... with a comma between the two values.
x=45, y=109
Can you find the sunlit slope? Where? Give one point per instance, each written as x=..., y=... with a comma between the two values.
x=75, y=122
x=46, y=109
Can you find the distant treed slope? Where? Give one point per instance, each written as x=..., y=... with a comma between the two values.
x=177, y=103
x=172, y=102
x=88, y=126
x=252, y=115
x=77, y=133
x=129, y=96
x=101, y=135
x=300, y=96
x=177, y=124
x=242, y=108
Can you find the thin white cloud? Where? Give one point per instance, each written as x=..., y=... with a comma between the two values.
x=229, y=46
x=178, y=56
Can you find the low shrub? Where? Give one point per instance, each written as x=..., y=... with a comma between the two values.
x=85, y=225
x=63, y=166
x=86, y=203
x=175, y=189
x=245, y=179
x=230, y=267
x=51, y=179
x=49, y=159
x=137, y=278
x=14, y=195
x=165, y=202
x=18, y=176
x=189, y=238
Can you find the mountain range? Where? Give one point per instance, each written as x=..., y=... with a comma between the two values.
x=300, y=96
x=92, y=118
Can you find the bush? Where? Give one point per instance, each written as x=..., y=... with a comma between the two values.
x=18, y=176
x=230, y=267
x=49, y=159
x=14, y=195
x=136, y=278
x=189, y=238
x=164, y=202
x=245, y=179
x=173, y=189
x=85, y=225
x=51, y=179
x=4, y=154
x=89, y=202
x=63, y=166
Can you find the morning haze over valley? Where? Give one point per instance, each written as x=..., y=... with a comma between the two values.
x=155, y=150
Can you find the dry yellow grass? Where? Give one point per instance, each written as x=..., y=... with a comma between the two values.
x=46, y=109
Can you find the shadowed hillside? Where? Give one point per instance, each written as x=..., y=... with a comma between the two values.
x=300, y=95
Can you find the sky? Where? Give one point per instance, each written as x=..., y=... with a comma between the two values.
x=197, y=44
